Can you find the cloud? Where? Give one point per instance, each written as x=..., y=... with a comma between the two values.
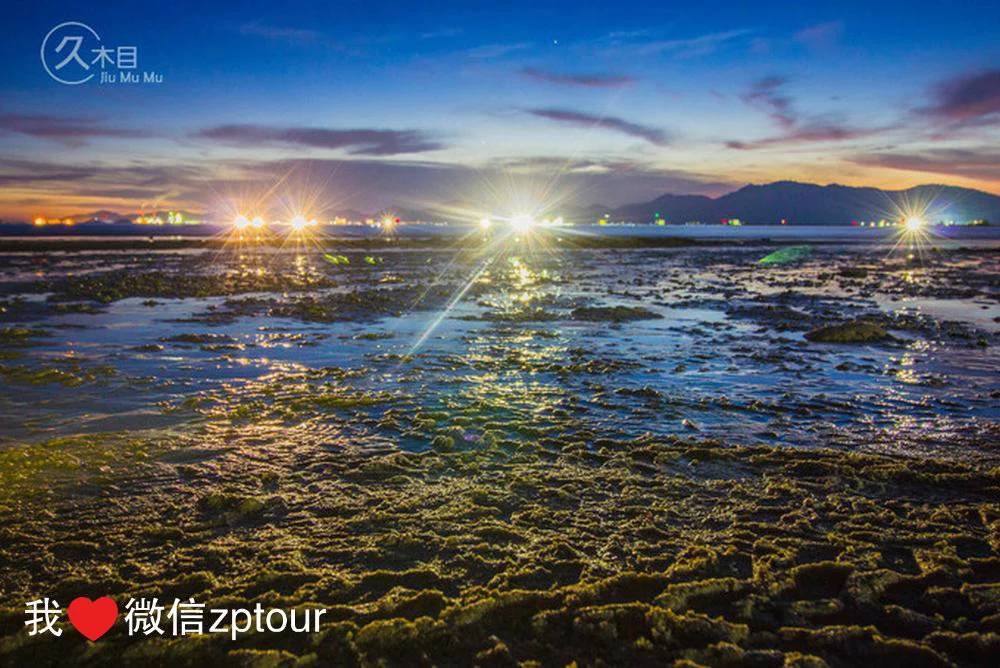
x=821, y=35
x=691, y=47
x=806, y=134
x=130, y=185
x=356, y=141
x=584, y=80
x=280, y=33
x=72, y=131
x=134, y=173
x=644, y=132
x=971, y=99
x=969, y=163
x=617, y=181
x=766, y=94
x=760, y=46
x=14, y=171
x=489, y=51
x=443, y=33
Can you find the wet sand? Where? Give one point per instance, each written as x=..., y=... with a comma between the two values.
x=531, y=453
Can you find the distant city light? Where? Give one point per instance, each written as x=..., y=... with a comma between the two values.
x=241, y=222
x=485, y=223
x=914, y=223
x=522, y=223
x=389, y=222
x=39, y=221
x=299, y=223
x=257, y=222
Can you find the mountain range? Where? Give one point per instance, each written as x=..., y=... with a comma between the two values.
x=811, y=204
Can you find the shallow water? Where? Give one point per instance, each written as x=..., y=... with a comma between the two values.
x=722, y=352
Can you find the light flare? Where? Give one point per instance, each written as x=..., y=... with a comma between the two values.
x=522, y=223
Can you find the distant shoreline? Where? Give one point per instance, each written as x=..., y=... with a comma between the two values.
x=359, y=229
x=28, y=238
x=97, y=243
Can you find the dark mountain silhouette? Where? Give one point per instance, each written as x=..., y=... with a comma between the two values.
x=810, y=204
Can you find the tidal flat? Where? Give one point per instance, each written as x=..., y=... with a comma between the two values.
x=521, y=454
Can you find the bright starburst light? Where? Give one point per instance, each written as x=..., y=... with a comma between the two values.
x=522, y=223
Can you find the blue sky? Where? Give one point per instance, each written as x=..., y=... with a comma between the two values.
x=427, y=103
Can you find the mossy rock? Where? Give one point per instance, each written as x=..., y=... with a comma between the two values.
x=20, y=336
x=821, y=579
x=854, y=331
x=268, y=658
x=232, y=507
x=613, y=313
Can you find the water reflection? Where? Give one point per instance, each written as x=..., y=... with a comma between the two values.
x=502, y=352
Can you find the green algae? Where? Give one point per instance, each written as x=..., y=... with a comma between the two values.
x=360, y=304
x=789, y=255
x=199, y=338
x=108, y=287
x=70, y=374
x=21, y=336
x=336, y=259
x=233, y=506
x=469, y=556
x=345, y=400
x=30, y=470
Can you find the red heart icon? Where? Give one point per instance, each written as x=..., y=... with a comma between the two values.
x=93, y=618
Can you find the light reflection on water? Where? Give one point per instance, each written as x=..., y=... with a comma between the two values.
x=509, y=358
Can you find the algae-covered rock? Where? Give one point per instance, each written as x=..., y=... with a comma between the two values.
x=20, y=336
x=821, y=579
x=708, y=596
x=854, y=331
x=267, y=658
x=613, y=313
x=855, y=645
x=230, y=506
x=974, y=649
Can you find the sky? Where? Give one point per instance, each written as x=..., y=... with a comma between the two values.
x=337, y=106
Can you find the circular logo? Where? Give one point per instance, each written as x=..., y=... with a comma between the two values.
x=66, y=52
